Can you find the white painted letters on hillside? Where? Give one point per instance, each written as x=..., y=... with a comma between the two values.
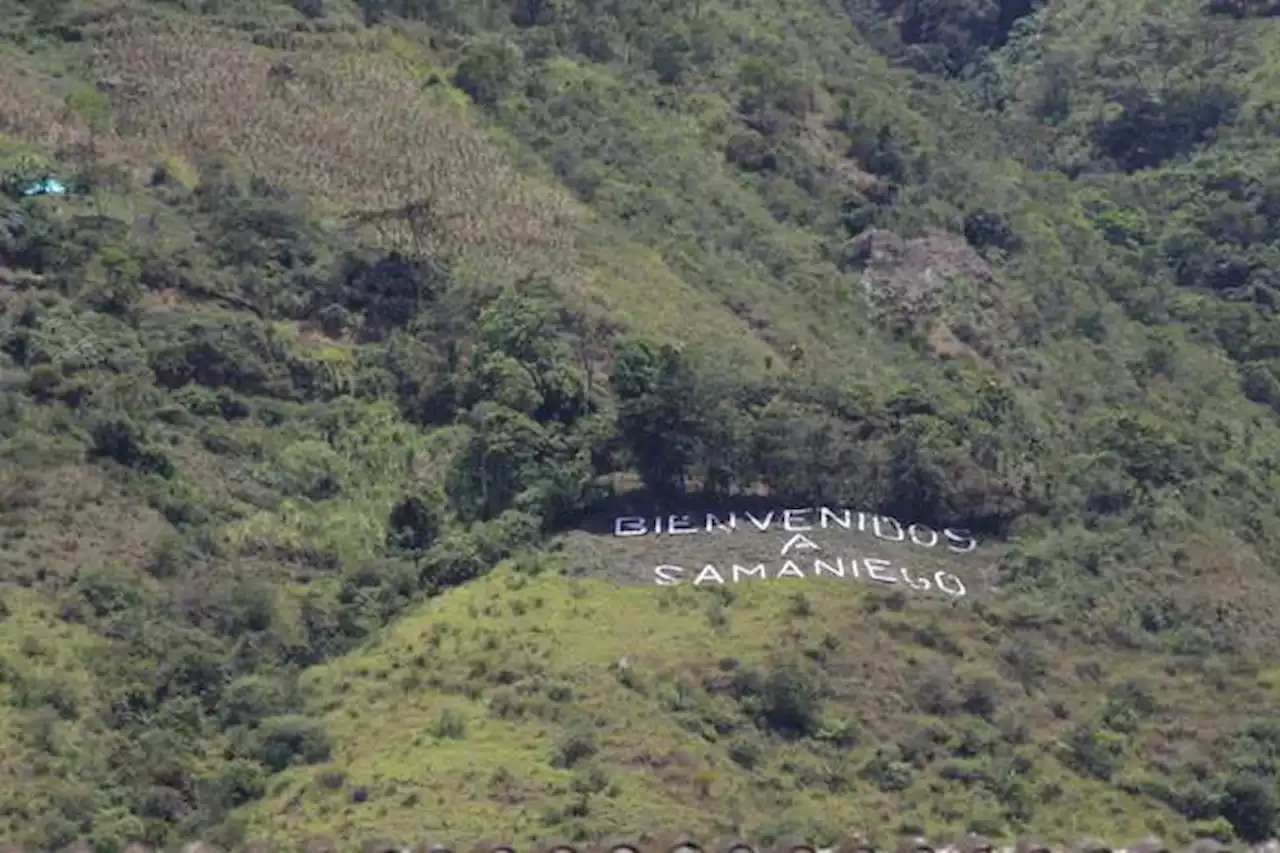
x=898, y=535
x=680, y=524
x=914, y=532
x=799, y=541
x=714, y=523
x=967, y=542
x=708, y=575
x=953, y=584
x=800, y=553
x=799, y=520
x=820, y=566
x=825, y=515
x=667, y=575
x=790, y=570
x=630, y=525
x=790, y=522
x=921, y=584
x=877, y=569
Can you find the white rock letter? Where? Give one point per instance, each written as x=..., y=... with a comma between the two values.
x=790, y=522
x=966, y=542
x=667, y=575
x=799, y=541
x=714, y=523
x=949, y=583
x=790, y=570
x=680, y=524
x=824, y=514
x=875, y=528
x=921, y=584
x=873, y=566
x=914, y=532
x=708, y=575
x=820, y=566
x=630, y=525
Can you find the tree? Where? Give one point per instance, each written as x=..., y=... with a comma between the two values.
x=806, y=452
x=414, y=525
x=519, y=333
x=1250, y=804
x=488, y=70
x=499, y=462
x=791, y=701
x=658, y=412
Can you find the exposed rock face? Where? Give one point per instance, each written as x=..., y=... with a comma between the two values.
x=936, y=286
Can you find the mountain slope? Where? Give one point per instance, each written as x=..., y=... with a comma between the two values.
x=350, y=303
x=505, y=710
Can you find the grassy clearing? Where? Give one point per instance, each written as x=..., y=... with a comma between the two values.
x=452, y=721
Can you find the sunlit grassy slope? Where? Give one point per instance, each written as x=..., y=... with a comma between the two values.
x=47, y=684
x=457, y=721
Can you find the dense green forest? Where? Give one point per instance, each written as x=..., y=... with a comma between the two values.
x=353, y=314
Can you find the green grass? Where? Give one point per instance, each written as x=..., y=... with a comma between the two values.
x=648, y=674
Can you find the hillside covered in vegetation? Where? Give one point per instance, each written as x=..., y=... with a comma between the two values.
x=349, y=327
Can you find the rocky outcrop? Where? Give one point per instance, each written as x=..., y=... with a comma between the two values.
x=936, y=287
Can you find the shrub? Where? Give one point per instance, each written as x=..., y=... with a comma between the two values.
x=249, y=700
x=575, y=746
x=414, y=525
x=281, y=742
x=1151, y=129
x=488, y=70
x=451, y=725
x=791, y=701
x=119, y=439
x=747, y=753
x=1094, y=752
x=238, y=783
x=1258, y=382
x=887, y=771
x=1251, y=805
x=983, y=229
